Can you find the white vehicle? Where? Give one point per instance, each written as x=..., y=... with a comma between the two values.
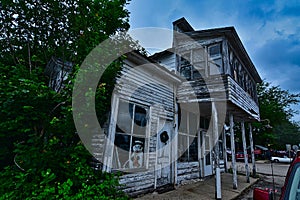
x=284, y=159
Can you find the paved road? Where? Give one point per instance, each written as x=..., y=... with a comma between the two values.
x=265, y=172
x=279, y=169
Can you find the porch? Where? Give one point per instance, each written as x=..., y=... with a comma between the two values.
x=204, y=189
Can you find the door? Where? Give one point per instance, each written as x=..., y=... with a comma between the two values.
x=207, y=159
x=163, y=165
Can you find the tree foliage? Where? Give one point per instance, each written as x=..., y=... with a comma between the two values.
x=41, y=154
x=275, y=106
x=69, y=29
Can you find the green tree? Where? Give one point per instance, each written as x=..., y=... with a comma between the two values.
x=41, y=154
x=275, y=109
x=69, y=29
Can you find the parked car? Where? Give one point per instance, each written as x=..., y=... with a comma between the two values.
x=239, y=156
x=283, y=159
x=290, y=190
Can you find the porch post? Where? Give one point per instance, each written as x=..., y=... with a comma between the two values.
x=224, y=149
x=109, y=149
x=218, y=192
x=175, y=145
x=245, y=151
x=252, y=151
x=234, y=172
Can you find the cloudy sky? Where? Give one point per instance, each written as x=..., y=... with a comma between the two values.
x=269, y=30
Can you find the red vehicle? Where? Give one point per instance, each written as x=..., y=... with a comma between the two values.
x=239, y=156
x=291, y=188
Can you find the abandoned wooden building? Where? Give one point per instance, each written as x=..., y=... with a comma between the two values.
x=169, y=118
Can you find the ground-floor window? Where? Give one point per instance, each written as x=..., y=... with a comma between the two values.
x=188, y=137
x=131, y=129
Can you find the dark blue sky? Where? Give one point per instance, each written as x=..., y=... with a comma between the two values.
x=269, y=30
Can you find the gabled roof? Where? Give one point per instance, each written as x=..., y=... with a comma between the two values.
x=183, y=25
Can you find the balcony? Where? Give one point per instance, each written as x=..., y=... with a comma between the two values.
x=219, y=88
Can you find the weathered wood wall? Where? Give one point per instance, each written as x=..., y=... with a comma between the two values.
x=210, y=89
x=187, y=171
x=141, y=86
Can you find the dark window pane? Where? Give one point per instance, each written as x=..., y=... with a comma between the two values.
x=121, y=153
x=140, y=116
x=193, y=124
x=185, y=71
x=207, y=159
x=204, y=123
x=140, y=121
x=215, y=50
x=124, y=117
x=182, y=148
x=207, y=150
x=197, y=74
x=183, y=121
x=193, y=149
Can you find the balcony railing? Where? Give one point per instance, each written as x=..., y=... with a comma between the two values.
x=218, y=88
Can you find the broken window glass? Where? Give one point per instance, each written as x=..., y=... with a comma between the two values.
x=130, y=136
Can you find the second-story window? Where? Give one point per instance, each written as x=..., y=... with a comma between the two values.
x=185, y=66
x=215, y=59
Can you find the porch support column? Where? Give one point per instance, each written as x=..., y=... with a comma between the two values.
x=234, y=171
x=225, y=149
x=252, y=151
x=109, y=149
x=175, y=144
x=218, y=192
x=245, y=151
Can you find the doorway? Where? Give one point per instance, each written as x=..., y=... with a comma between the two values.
x=207, y=157
x=163, y=152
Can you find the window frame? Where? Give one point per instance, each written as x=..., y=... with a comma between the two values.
x=188, y=135
x=131, y=135
x=212, y=59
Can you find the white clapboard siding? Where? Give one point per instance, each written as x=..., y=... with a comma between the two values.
x=143, y=87
x=187, y=171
